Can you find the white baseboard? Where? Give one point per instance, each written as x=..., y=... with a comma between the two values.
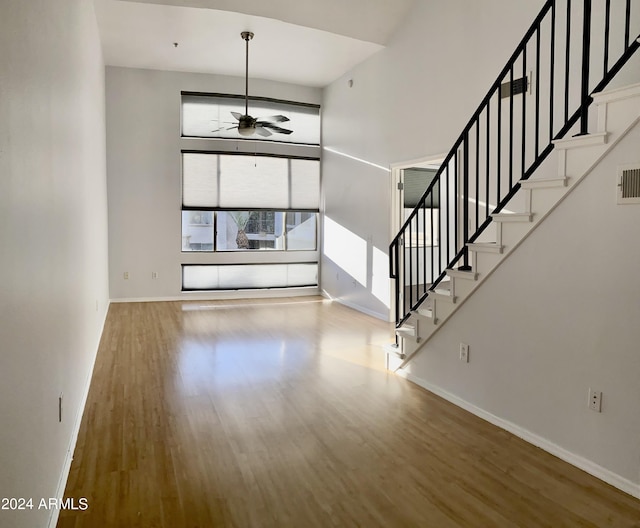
x=64, y=475
x=590, y=467
x=225, y=295
x=354, y=306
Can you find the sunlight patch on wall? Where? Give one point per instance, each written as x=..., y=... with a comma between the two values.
x=346, y=249
x=360, y=160
x=380, y=276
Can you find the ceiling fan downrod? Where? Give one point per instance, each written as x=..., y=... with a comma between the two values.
x=246, y=36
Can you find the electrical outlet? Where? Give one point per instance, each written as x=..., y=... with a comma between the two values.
x=126, y=275
x=595, y=400
x=464, y=352
x=154, y=274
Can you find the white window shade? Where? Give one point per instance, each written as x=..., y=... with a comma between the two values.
x=234, y=181
x=209, y=116
x=249, y=276
x=305, y=184
x=199, y=185
x=254, y=182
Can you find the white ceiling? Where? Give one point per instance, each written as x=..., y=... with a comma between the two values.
x=305, y=42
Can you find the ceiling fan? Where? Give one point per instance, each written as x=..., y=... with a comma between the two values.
x=248, y=125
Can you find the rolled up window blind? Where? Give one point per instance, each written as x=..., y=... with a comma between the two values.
x=416, y=181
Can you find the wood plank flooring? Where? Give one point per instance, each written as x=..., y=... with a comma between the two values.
x=279, y=413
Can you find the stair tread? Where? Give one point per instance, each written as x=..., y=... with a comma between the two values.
x=595, y=138
x=490, y=247
x=512, y=217
x=444, y=294
x=543, y=182
x=462, y=274
x=615, y=94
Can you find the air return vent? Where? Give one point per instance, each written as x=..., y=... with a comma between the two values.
x=516, y=87
x=629, y=184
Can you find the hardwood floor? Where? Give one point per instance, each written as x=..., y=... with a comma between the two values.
x=280, y=414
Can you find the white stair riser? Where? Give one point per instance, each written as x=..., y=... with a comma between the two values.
x=621, y=113
x=485, y=262
x=444, y=309
x=444, y=298
x=393, y=363
x=579, y=161
x=542, y=200
x=464, y=287
x=512, y=234
x=609, y=112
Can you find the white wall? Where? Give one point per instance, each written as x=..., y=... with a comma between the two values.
x=53, y=235
x=537, y=345
x=144, y=175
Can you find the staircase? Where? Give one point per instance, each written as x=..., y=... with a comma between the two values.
x=531, y=141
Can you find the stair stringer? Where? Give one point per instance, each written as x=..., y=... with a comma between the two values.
x=618, y=112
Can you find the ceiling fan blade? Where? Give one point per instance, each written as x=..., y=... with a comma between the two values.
x=274, y=119
x=224, y=127
x=263, y=131
x=276, y=128
x=237, y=115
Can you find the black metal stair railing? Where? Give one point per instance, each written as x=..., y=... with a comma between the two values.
x=572, y=50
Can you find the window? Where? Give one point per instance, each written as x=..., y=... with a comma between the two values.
x=243, y=230
x=249, y=219
x=234, y=202
x=209, y=116
x=197, y=230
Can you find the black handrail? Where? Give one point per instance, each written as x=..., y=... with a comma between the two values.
x=457, y=187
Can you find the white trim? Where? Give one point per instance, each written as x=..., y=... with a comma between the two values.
x=588, y=140
x=224, y=295
x=64, y=475
x=616, y=94
x=512, y=217
x=485, y=247
x=578, y=461
x=458, y=274
x=544, y=183
x=378, y=315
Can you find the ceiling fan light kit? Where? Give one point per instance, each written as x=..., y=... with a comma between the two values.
x=248, y=125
